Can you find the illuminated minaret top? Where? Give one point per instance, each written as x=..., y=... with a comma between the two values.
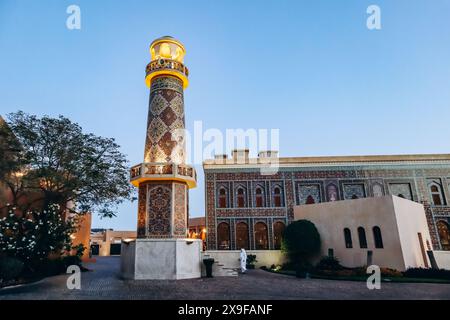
x=164, y=178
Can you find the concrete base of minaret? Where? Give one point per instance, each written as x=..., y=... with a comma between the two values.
x=161, y=259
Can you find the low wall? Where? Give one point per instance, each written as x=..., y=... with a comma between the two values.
x=442, y=259
x=230, y=258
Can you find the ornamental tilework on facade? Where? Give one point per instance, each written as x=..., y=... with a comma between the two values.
x=321, y=183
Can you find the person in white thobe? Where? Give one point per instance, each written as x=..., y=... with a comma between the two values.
x=243, y=259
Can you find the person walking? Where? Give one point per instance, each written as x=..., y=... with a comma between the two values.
x=243, y=258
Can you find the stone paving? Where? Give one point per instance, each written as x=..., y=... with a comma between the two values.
x=103, y=282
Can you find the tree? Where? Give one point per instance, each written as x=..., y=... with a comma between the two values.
x=53, y=160
x=301, y=242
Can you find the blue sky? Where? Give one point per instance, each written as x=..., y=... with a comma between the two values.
x=310, y=68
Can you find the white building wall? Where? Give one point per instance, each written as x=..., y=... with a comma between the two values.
x=331, y=218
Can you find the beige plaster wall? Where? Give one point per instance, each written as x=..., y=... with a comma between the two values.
x=442, y=259
x=331, y=218
x=411, y=220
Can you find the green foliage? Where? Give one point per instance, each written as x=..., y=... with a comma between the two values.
x=63, y=164
x=34, y=235
x=10, y=268
x=329, y=263
x=427, y=273
x=251, y=260
x=301, y=242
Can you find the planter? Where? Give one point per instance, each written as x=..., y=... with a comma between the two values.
x=208, y=265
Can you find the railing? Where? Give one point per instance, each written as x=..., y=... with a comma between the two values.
x=161, y=64
x=147, y=171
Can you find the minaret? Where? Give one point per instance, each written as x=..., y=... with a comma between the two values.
x=164, y=178
x=162, y=250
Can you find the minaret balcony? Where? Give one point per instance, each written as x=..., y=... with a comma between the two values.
x=166, y=67
x=163, y=171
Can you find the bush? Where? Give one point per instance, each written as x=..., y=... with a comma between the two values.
x=388, y=272
x=251, y=260
x=301, y=242
x=427, y=273
x=329, y=263
x=10, y=268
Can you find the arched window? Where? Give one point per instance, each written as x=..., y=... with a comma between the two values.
x=332, y=192
x=362, y=238
x=259, y=197
x=242, y=236
x=277, y=197
x=436, y=194
x=377, y=237
x=261, y=236
x=348, y=238
x=310, y=200
x=278, y=230
x=240, y=197
x=223, y=198
x=444, y=234
x=377, y=190
x=223, y=236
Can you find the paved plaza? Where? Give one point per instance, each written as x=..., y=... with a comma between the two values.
x=103, y=282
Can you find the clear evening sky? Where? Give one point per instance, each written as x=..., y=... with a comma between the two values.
x=310, y=68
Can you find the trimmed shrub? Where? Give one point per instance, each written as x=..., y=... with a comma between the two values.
x=329, y=263
x=301, y=242
x=10, y=268
x=427, y=273
x=388, y=272
x=251, y=260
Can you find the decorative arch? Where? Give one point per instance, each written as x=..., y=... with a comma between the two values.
x=261, y=236
x=223, y=197
x=332, y=192
x=377, y=190
x=437, y=196
x=223, y=236
x=278, y=231
x=259, y=197
x=444, y=234
x=242, y=239
x=310, y=200
x=277, y=196
x=241, y=196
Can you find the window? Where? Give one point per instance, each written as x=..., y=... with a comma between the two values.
x=377, y=190
x=259, y=197
x=242, y=236
x=332, y=192
x=310, y=200
x=261, y=236
x=223, y=203
x=278, y=230
x=223, y=236
x=436, y=193
x=377, y=237
x=240, y=198
x=444, y=234
x=277, y=197
x=362, y=238
x=348, y=238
